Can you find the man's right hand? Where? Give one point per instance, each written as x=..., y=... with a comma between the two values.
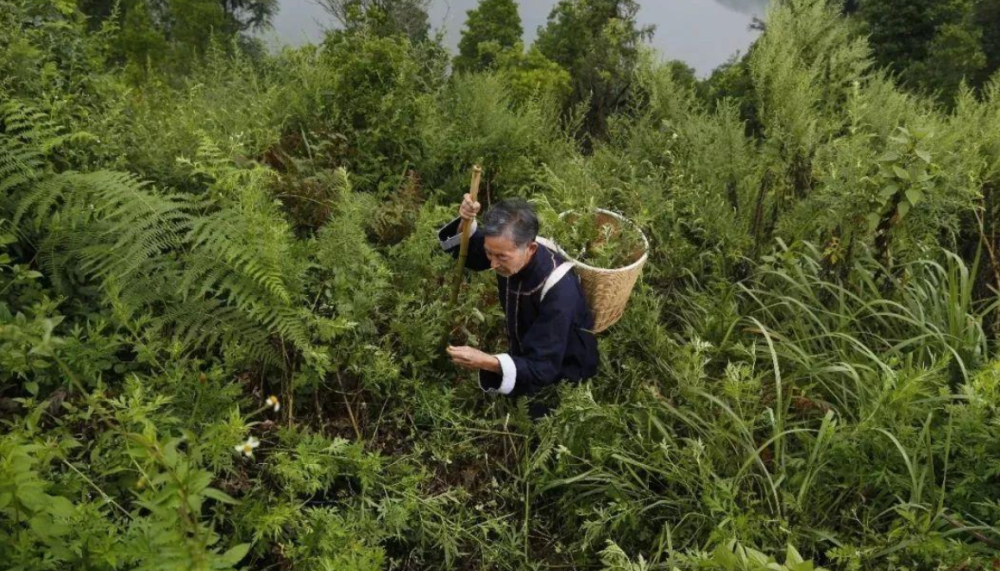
x=469, y=208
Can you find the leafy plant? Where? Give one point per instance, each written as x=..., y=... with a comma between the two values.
x=595, y=238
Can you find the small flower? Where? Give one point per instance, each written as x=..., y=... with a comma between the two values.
x=272, y=401
x=560, y=450
x=247, y=447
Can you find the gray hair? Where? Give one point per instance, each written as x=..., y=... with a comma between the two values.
x=514, y=218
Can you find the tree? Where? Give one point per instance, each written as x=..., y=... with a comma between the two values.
x=901, y=31
x=732, y=80
x=490, y=30
x=171, y=32
x=383, y=17
x=250, y=14
x=237, y=15
x=933, y=45
x=139, y=40
x=955, y=55
x=531, y=74
x=987, y=18
x=851, y=6
x=598, y=42
x=192, y=23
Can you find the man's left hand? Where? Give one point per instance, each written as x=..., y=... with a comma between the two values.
x=473, y=359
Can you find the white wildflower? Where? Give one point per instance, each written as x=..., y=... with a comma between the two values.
x=246, y=448
x=273, y=402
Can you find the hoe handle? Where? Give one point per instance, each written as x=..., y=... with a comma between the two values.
x=463, y=250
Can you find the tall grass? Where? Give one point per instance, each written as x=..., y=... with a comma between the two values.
x=819, y=416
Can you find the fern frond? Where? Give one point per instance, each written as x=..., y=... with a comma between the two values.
x=35, y=130
x=216, y=270
x=210, y=323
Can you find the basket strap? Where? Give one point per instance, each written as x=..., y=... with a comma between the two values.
x=548, y=243
x=556, y=275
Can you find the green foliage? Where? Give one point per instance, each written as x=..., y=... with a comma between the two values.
x=901, y=32
x=953, y=44
x=598, y=42
x=595, y=239
x=218, y=270
x=491, y=29
x=165, y=124
x=532, y=75
x=746, y=559
x=374, y=96
x=173, y=34
x=223, y=304
x=732, y=81
x=803, y=70
x=139, y=40
x=732, y=557
x=45, y=54
x=933, y=46
x=478, y=121
x=734, y=422
x=165, y=531
x=384, y=18
x=986, y=13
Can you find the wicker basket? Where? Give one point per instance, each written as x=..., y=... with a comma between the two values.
x=607, y=290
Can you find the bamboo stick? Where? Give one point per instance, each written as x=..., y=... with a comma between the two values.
x=463, y=251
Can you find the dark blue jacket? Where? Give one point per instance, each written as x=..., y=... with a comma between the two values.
x=549, y=339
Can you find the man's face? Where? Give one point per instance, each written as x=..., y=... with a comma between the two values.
x=505, y=257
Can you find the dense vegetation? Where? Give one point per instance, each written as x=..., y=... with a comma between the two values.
x=222, y=301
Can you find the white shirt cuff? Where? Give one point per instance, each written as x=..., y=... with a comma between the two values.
x=509, y=373
x=457, y=238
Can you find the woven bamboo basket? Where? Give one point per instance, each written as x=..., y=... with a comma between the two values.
x=607, y=290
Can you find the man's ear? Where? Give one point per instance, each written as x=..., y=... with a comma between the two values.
x=532, y=248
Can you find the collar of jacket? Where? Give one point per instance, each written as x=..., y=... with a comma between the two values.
x=536, y=271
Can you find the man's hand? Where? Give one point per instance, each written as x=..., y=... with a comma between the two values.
x=473, y=359
x=469, y=209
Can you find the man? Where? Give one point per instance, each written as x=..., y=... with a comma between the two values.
x=548, y=323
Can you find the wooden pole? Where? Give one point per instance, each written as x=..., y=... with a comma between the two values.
x=463, y=251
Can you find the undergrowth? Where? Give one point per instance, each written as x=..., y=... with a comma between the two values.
x=222, y=314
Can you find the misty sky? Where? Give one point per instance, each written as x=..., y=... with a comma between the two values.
x=703, y=33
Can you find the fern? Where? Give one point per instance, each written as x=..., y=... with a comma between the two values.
x=218, y=270
x=211, y=322
x=22, y=163
x=26, y=137
x=244, y=251
x=232, y=260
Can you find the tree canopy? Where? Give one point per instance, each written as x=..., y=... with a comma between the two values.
x=492, y=28
x=597, y=42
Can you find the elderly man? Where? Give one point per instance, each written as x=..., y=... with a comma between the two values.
x=547, y=320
